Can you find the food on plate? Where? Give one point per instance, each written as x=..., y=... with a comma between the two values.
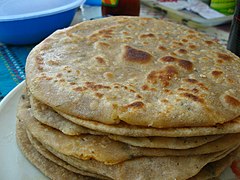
x=130, y=98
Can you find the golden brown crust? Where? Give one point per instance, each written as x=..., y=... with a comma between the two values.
x=147, y=58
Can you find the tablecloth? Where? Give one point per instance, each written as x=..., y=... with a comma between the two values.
x=13, y=58
x=12, y=66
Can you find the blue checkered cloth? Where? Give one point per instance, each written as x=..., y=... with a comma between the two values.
x=12, y=67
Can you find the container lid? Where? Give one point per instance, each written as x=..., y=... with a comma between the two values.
x=11, y=10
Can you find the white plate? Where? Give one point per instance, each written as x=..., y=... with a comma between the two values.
x=13, y=165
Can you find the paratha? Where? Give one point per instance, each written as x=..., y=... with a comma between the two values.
x=55, y=173
x=48, y=116
x=211, y=170
x=138, y=131
x=148, y=167
x=105, y=150
x=46, y=166
x=141, y=71
x=44, y=152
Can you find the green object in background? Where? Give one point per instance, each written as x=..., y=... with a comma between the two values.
x=224, y=6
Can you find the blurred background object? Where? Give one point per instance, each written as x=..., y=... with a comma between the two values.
x=193, y=13
x=28, y=22
x=234, y=36
x=93, y=2
x=224, y=6
x=121, y=7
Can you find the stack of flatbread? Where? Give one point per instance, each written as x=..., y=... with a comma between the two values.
x=130, y=98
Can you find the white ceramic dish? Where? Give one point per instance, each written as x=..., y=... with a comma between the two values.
x=13, y=165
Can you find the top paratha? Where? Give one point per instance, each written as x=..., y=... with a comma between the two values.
x=142, y=71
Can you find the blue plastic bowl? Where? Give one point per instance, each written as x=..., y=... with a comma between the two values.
x=29, y=22
x=94, y=2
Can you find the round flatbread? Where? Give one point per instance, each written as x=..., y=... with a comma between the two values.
x=105, y=150
x=137, y=131
x=46, y=166
x=140, y=71
x=148, y=167
x=49, y=117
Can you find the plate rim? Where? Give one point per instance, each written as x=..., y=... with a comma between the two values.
x=9, y=96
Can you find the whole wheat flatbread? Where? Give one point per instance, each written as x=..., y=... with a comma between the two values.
x=44, y=152
x=214, y=169
x=211, y=170
x=46, y=166
x=105, y=150
x=141, y=71
x=138, y=131
x=153, y=168
x=48, y=116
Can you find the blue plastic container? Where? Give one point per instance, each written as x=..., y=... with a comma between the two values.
x=28, y=22
x=94, y=2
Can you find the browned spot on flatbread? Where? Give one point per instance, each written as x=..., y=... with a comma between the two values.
x=100, y=60
x=80, y=89
x=182, y=51
x=52, y=62
x=192, y=97
x=164, y=101
x=191, y=36
x=192, y=46
x=138, y=96
x=168, y=59
x=145, y=87
x=167, y=91
x=162, y=48
x=216, y=74
x=103, y=44
x=99, y=95
x=107, y=36
x=39, y=60
x=40, y=68
x=105, y=31
x=195, y=90
x=231, y=81
x=232, y=101
x=96, y=87
x=220, y=61
x=191, y=31
x=192, y=81
x=137, y=105
x=189, y=90
x=186, y=64
x=59, y=75
x=209, y=42
x=184, y=40
x=178, y=43
x=224, y=57
x=202, y=86
x=149, y=35
x=136, y=56
x=173, y=54
x=72, y=83
x=49, y=78
x=164, y=75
